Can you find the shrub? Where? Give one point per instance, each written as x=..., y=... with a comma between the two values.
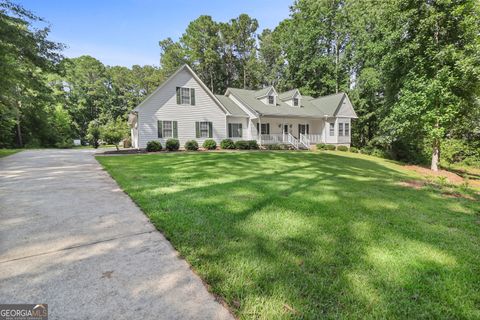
x=114, y=131
x=284, y=146
x=209, y=144
x=191, y=145
x=252, y=144
x=172, y=145
x=366, y=150
x=227, y=144
x=65, y=144
x=242, y=145
x=380, y=153
x=353, y=149
x=154, y=146
x=321, y=146
x=93, y=133
x=342, y=148
x=330, y=147
x=274, y=146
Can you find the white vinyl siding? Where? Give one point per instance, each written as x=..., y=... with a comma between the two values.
x=163, y=106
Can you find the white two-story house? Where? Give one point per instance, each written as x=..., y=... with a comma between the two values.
x=185, y=109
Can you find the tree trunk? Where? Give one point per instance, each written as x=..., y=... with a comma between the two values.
x=435, y=154
x=19, y=128
x=116, y=146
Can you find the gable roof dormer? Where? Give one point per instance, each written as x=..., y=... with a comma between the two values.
x=267, y=95
x=292, y=98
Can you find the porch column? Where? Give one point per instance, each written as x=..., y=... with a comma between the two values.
x=260, y=130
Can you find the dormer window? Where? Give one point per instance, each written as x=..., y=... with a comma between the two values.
x=295, y=102
x=271, y=100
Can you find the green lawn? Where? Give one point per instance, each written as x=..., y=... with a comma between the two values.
x=312, y=234
x=7, y=152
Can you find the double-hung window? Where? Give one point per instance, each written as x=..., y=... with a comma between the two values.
x=271, y=100
x=167, y=129
x=234, y=130
x=332, y=129
x=185, y=96
x=204, y=129
x=295, y=102
x=340, y=129
x=347, y=129
x=265, y=128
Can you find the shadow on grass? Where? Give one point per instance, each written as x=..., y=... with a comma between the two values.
x=326, y=235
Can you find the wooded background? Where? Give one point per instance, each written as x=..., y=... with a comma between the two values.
x=410, y=67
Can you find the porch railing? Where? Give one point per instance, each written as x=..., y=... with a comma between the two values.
x=304, y=140
x=315, y=138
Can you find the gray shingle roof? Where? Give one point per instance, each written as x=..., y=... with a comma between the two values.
x=287, y=94
x=231, y=106
x=262, y=92
x=318, y=108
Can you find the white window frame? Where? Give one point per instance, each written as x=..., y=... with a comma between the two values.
x=164, y=130
x=273, y=100
x=235, y=132
x=185, y=99
x=340, y=129
x=331, y=129
x=204, y=129
x=347, y=129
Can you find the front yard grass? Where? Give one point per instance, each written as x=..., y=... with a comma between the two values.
x=7, y=152
x=312, y=234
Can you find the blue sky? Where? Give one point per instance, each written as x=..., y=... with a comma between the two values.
x=126, y=32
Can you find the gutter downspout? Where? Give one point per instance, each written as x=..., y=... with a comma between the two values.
x=260, y=128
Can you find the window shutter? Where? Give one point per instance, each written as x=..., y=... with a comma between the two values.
x=258, y=128
x=230, y=130
x=308, y=129
x=299, y=130
x=175, y=129
x=192, y=96
x=197, y=129
x=268, y=128
x=210, y=130
x=240, y=130
x=159, y=127
x=178, y=95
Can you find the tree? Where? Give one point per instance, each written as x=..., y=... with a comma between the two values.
x=114, y=131
x=26, y=56
x=93, y=133
x=435, y=78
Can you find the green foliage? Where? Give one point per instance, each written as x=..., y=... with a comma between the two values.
x=172, y=144
x=114, y=131
x=321, y=146
x=342, y=148
x=209, y=144
x=353, y=150
x=242, y=145
x=227, y=144
x=252, y=144
x=459, y=151
x=154, y=146
x=93, y=133
x=330, y=147
x=191, y=145
x=273, y=146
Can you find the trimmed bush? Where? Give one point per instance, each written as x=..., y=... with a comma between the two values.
x=227, y=144
x=342, y=148
x=330, y=147
x=274, y=146
x=154, y=146
x=191, y=145
x=209, y=144
x=353, y=149
x=172, y=145
x=242, y=145
x=321, y=146
x=366, y=150
x=252, y=144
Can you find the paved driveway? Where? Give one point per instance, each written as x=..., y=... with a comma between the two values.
x=70, y=238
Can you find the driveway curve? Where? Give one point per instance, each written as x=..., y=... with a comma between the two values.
x=69, y=237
